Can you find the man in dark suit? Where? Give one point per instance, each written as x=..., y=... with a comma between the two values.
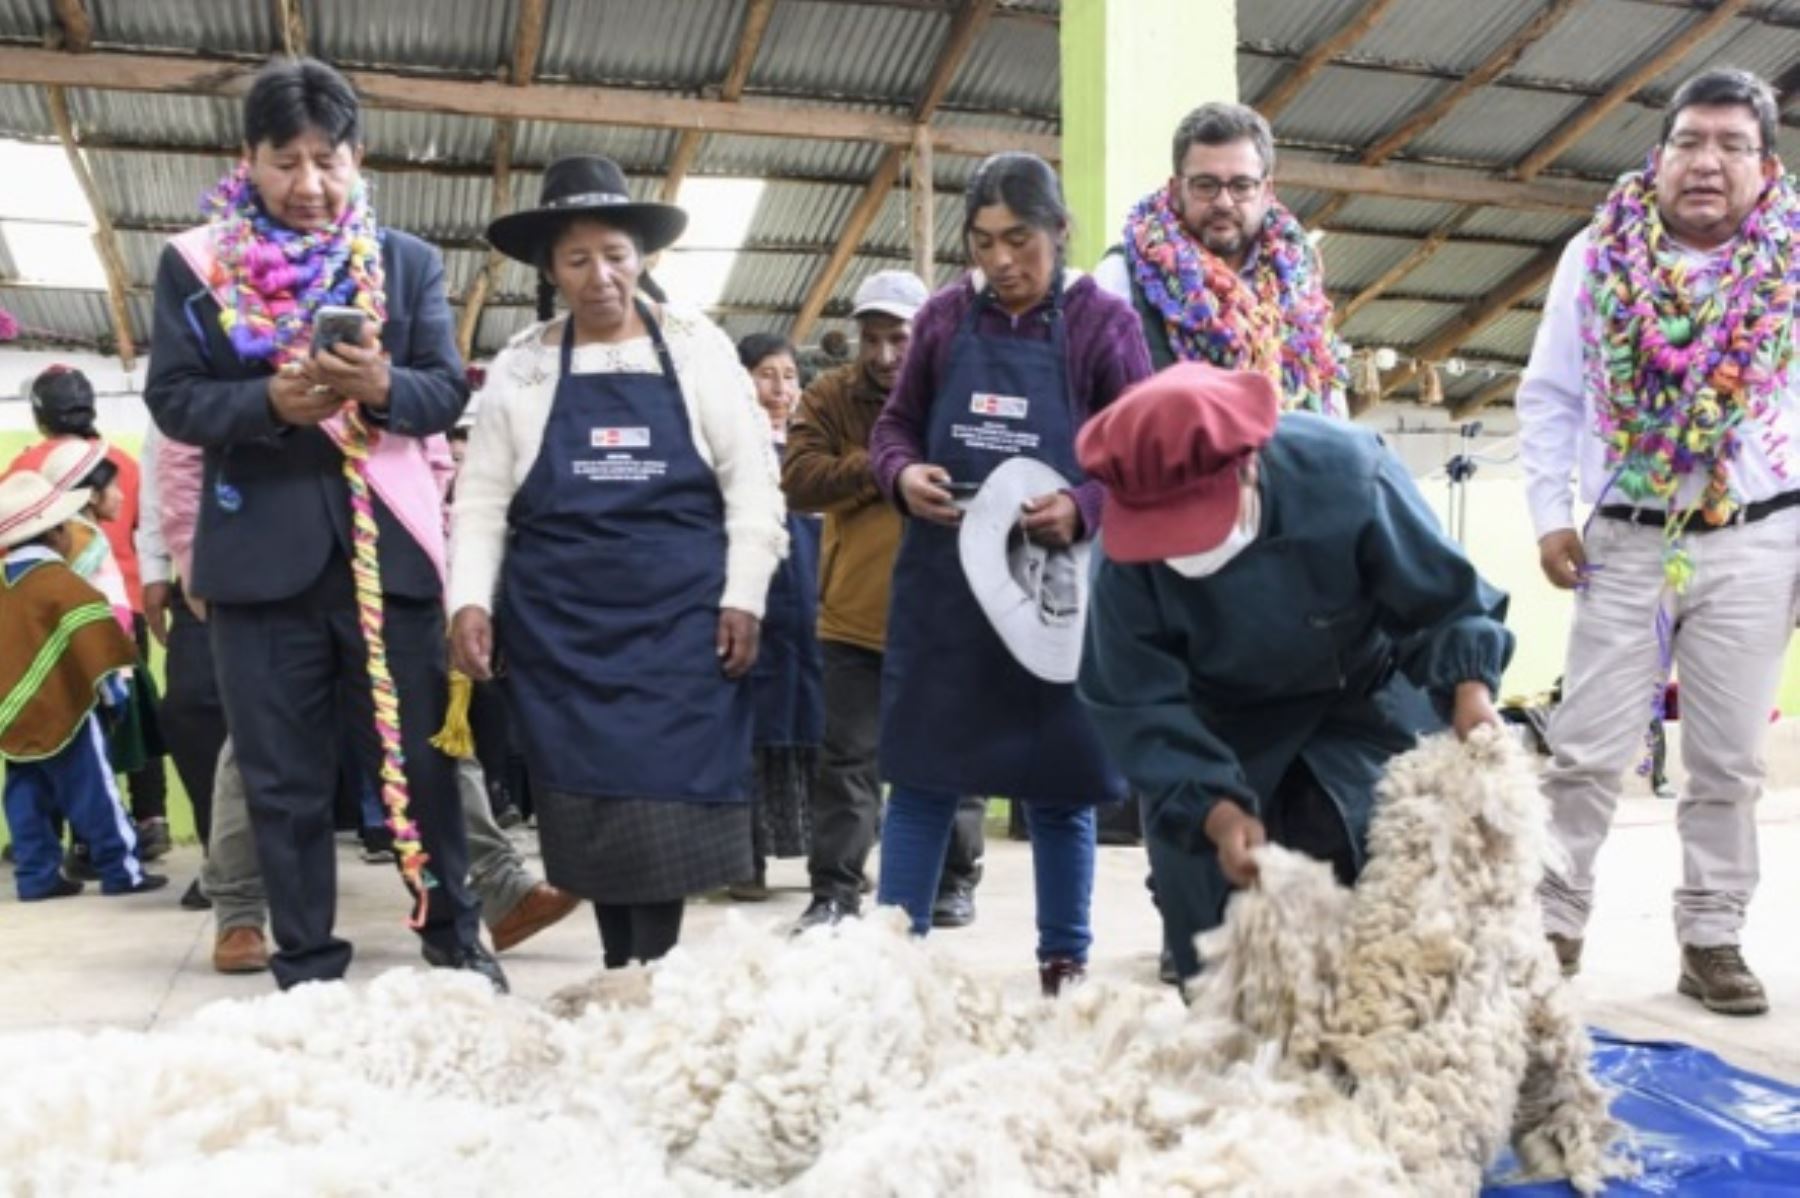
x=231, y=372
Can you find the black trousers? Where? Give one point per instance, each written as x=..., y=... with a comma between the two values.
x=193, y=717
x=149, y=786
x=640, y=932
x=1189, y=887
x=285, y=669
x=846, y=804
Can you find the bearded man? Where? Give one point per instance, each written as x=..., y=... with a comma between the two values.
x=1219, y=271
x=1661, y=371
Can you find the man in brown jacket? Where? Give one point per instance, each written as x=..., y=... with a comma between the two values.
x=827, y=471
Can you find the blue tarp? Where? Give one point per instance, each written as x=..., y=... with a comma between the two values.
x=1699, y=1126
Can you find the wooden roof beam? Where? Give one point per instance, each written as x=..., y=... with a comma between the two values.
x=77, y=26
x=756, y=23
x=1591, y=114
x=1290, y=85
x=291, y=23
x=969, y=21
x=1419, y=253
x=1438, y=184
x=561, y=103
x=106, y=241
x=1476, y=316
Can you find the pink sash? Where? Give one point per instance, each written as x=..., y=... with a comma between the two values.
x=400, y=471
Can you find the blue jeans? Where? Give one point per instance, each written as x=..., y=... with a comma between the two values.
x=77, y=785
x=917, y=829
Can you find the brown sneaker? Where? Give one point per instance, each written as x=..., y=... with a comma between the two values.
x=1568, y=953
x=542, y=906
x=240, y=950
x=1718, y=977
x=1058, y=972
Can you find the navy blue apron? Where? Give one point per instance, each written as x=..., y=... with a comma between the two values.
x=788, y=680
x=958, y=712
x=609, y=606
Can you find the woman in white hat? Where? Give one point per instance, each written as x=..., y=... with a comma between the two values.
x=617, y=521
x=63, y=656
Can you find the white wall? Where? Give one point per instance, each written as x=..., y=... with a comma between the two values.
x=119, y=408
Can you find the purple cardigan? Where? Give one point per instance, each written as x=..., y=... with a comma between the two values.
x=1106, y=355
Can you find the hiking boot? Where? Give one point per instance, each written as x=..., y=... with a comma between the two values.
x=1057, y=972
x=1568, y=953
x=954, y=908
x=542, y=906
x=153, y=839
x=823, y=913
x=1717, y=976
x=240, y=950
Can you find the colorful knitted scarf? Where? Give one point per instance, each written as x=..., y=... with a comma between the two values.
x=272, y=280
x=1278, y=321
x=1677, y=364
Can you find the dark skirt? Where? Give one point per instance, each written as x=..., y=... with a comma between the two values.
x=134, y=738
x=783, y=802
x=641, y=850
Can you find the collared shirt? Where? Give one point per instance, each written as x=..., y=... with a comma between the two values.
x=1558, y=429
x=153, y=555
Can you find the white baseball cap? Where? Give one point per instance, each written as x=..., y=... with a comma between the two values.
x=899, y=293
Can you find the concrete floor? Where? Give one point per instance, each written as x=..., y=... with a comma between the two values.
x=142, y=961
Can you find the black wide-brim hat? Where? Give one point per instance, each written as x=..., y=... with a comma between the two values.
x=585, y=185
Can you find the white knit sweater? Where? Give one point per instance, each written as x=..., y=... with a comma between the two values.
x=731, y=435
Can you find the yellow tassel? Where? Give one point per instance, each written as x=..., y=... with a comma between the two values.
x=456, y=738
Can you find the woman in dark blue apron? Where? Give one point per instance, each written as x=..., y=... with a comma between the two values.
x=787, y=685
x=1009, y=361
x=626, y=656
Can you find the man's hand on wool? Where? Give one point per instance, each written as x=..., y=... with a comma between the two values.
x=739, y=635
x=1236, y=834
x=1562, y=558
x=356, y=371
x=1052, y=520
x=1474, y=708
x=921, y=487
x=297, y=401
x=472, y=643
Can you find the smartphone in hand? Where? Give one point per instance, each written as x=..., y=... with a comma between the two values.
x=334, y=326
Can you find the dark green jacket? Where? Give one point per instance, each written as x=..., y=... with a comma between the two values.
x=1322, y=641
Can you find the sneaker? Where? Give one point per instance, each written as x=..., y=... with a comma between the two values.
x=823, y=913
x=474, y=958
x=194, y=898
x=1055, y=973
x=240, y=950
x=954, y=908
x=143, y=885
x=1717, y=976
x=62, y=888
x=78, y=865
x=1568, y=953
x=153, y=839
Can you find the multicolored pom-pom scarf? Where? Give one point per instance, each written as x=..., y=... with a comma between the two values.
x=270, y=281
x=1278, y=322
x=1679, y=365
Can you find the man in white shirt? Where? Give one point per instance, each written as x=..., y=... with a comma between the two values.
x=1680, y=415
x=1220, y=271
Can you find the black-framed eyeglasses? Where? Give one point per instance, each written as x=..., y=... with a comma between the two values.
x=1687, y=145
x=1208, y=187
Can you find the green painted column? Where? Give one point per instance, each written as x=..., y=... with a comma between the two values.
x=1131, y=69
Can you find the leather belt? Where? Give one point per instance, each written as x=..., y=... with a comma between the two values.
x=1747, y=513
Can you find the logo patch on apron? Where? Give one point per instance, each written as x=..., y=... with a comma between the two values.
x=619, y=438
x=1007, y=407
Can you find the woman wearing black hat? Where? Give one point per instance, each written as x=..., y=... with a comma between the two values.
x=619, y=513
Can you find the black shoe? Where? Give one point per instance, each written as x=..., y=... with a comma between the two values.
x=823, y=913
x=474, y=958
x=78, y=865
x=64, y=888
x=154, y=840
x=1166, y=973
x=194, y=898
x=143, y=885
x=6, y=853
x=955, y=908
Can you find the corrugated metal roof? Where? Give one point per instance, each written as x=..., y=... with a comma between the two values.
x=428, y=137
x=48, y=314
x=1396, y=323
x=1013, y=66
x=1293, y=24
x=1400, y=216
x=753, y=157
x=24, y=20
x=473, y=36
x=856, y=50
x=760, y=280
x=1341, y=106
x=23, y=113
x=684, y=44
x=1500, y=125
x=8, y=268
x=1508, y=337
x=540, y=143
x=1547, y=227
x=211, y=122
x=203, y=25
x=1456, y=37
x=1602, y=39
x=1353, y=261
x=1464, y=270
x=139, y=188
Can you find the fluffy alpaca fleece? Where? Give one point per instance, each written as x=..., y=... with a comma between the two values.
x=1379, y=1042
